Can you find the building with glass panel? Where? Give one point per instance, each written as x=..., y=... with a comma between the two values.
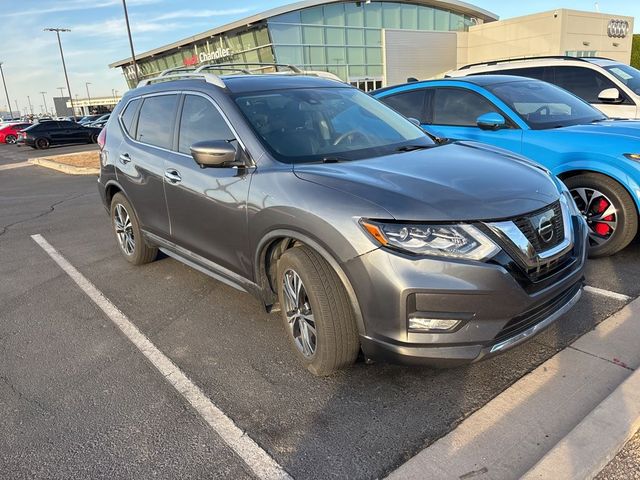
x=342, y=37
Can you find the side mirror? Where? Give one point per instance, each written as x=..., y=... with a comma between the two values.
x=214, y=153
x=415, y=121
x=610, y=95
x=491, y=121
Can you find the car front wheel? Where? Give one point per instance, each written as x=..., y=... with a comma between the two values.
x=609, y=210
x=316, y=311
x=10, y=139
x=128, y=234
x=42, y=143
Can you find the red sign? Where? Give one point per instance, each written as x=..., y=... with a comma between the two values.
x=191, y=61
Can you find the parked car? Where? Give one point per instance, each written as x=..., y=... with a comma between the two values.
x=45, y=134
x=89, y=118
x=610, y=86
x=9, y=132
x=100, y=122
x=332, y=208
x=598, y=158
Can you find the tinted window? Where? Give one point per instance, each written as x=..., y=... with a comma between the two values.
x=410, y=104
x=455, y=106
x=155, y=124
x=583, y=82
x=128, y=115
x=532, y=72
x=628, y=75
x=201, y=121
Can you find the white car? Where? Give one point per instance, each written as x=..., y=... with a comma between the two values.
x=610, y=86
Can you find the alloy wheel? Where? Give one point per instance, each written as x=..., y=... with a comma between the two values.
x=599, y=212
x=124, y=229
x=300, y=319
x=10, y=139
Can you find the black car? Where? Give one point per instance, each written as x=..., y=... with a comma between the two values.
x=43, y=135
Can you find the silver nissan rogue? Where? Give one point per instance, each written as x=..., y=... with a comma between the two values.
x=365, y=232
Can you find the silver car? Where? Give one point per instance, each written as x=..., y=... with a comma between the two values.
x=366, y=233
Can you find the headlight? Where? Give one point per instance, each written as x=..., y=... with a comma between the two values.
x=633, y=156
x=567, y=198
x=454, y=241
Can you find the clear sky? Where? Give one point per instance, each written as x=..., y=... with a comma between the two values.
x=98, y=37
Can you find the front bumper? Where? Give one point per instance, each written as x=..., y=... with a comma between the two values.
x=498, y=308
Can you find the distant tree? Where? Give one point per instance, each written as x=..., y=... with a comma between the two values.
x=635, y=51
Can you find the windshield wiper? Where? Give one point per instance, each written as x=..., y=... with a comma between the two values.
x=411, y=148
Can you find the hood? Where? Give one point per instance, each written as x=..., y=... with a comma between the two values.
x=461, y=181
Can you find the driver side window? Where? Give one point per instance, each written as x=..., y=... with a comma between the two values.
x=200, y=121
x=459, y=107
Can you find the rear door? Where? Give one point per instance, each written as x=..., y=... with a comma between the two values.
x=207, y=206
x=148, y=127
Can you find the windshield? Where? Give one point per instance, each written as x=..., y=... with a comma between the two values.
x=327, y=124
x=542, y=105
x=627, y=75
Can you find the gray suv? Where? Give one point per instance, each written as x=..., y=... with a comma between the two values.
x=366, y=233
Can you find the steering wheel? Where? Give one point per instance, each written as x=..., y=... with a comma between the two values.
x=544, y=108
x=350, y=134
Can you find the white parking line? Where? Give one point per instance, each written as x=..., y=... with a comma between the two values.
x=607, y=293
x=258, y=460
x=11, y=166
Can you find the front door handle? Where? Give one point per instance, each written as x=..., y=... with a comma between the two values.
x=125, y=158
x=172, y=175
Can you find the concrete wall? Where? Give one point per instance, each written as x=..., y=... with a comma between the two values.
x=408, y=53
x=548, y=33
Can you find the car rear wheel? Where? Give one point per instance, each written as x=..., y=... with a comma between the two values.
x=128, y=234
x=609, y=210
x=42, y=144
x=93, y=138
x=10, y=139
x=316, y=311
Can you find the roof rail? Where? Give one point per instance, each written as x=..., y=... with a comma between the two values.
x=169, y=71
x=261, y=66
x=519, y=59
x=165, y=77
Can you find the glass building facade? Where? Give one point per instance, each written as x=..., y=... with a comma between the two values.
x=344, y=38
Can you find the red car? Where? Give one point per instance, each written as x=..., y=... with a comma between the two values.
x=9, y=133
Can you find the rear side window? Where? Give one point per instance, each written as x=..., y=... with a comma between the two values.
x=128, y=115
x=458, y=107
x=583, y=82
x=532, y=72
x=410, y=104
x=155, y=124
x=200, y=121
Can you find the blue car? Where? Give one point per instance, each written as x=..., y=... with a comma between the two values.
x=598, y=158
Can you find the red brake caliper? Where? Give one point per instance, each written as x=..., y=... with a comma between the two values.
x=602, y=228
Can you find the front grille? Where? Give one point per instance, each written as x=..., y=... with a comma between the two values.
x=528, y=225
x=528, y=319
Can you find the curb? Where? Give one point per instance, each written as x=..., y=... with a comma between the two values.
x=593, y=443
x=63, y=167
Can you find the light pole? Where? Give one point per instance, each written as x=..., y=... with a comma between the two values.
x=61, y=91
x=30, y=106
x=133, y=55
x=44, y=100
x=17, y=108
x=64, y=66
x=86, y=84
x=5, y=91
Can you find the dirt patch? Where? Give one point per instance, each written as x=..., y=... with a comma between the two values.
x=82, y=159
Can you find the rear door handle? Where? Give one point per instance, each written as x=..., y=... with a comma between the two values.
x=125, y=158
x=172, y=175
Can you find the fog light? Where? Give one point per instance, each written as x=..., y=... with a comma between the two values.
x=432, y=324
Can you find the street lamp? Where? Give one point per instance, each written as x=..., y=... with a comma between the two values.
x=61, y=91
x=133, y=55
x=44, y=100
x=5, y=91
x=30, y=106
x=64, y=66
x=86, y=84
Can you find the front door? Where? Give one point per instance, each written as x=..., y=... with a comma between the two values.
x=454, y=115
x=207, y=206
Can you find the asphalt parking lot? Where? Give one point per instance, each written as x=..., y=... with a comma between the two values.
x=77, y=399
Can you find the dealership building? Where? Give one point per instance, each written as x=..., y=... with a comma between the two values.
x=371, y=44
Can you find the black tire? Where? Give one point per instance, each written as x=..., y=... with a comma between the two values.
x=93, y=138
x=141, y=252
x=42, y=143
x=10, y=139
x=337, y=344
x=626, y=214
